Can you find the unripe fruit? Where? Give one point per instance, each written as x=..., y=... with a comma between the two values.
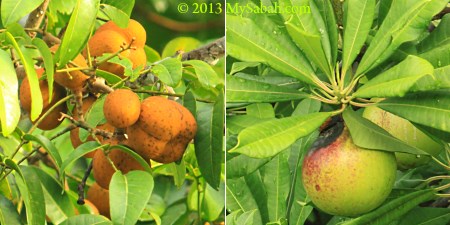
x=163, y=130
x=100, y=198
x=103, y=171
x=74, y=134
x=74, y=80
x=51, y=120
x=122, y=108
x=407, y=132
x=343, y=179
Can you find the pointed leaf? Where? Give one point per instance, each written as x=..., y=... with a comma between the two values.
x=114, y=14
x=13, y=10
x=325, y=8
x=358, y=22
x=268, y=138
x=9, y=99
x=47, y=145
x=129, y=195
x=205, y=74
x=398, y=80
x=406, y=21
x=209, y=140
x=77, y=33
x=243, y=90
x=428, y=108
x=366, y=134
x=243, y=34
x=48, y=64
x=256, y=184
x=27, y=61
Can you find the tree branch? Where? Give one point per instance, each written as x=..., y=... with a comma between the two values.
x=209, y=53
x=35, y=18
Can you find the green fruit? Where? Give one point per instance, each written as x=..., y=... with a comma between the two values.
x=405, y=131
x=345, y=180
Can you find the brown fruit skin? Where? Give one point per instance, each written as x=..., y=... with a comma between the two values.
x=122, y=108
x=51, y=120
x=146, y=145
x=74, y=134
x=108, y=41
x=74, y=80
x=100, y=198
x=163, y=130
x=103, y=171
x=109, y=38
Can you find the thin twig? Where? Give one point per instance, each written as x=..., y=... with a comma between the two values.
x=35, y=18
x=81, y=186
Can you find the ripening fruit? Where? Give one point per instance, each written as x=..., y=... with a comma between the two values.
x=109, y=38
x=103, y=171
x=51, y=120
x=74, y=80
x=100, y=198
x=407, y=132
x=163, y=130
x=122, y=108
x=74, y=134
x=108, y=41
x=345, y=180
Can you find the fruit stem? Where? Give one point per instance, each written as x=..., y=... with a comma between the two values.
x=440, y=163
x=431, y=179
x=443, y=187
x=81, y=186
x=73, y=69
x=337, y=112
x=362, y=105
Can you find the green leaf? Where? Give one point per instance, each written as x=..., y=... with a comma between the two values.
x=383, y=10
x=243, y=90
x=242, y=165
x=9, y=99
x=261, y=110
x=32, y=194
x=109, y=77
x=94, y=116
x=205, y=74
x=439, y=56
x=83, y=149
x=178, y=171
x=47, y=145
x=240, y=66
x=325, y=8
x=406, y=21
x=13, y=10
x=180, y=44
x=169, y=71
x=426, y=216
x=439, y=37
x=398, y=80
x=48, y=64
x=244, y=34
x=152, y=54
x=277, y=181
x=366, y=134
x=246, y=218
x=125, y=6
x=209, y=140
x=129, y=195
x=235, y=124
x=133, y=154
x=357, y=25
x=118, y=16
x=298, y=210
x=303, y=30
x=394, y=209
x=239, y=197
x=27, y=61
x=268, y=138
x=307, y=106
x=258, y=189
x=431, y=108
x=8, y=212
x=57, y=203
x=78, y=30
x=173, y=213
x=213, y=202
x=443, y=76
x=87, y=219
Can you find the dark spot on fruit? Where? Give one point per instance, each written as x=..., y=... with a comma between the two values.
x=317, y=187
